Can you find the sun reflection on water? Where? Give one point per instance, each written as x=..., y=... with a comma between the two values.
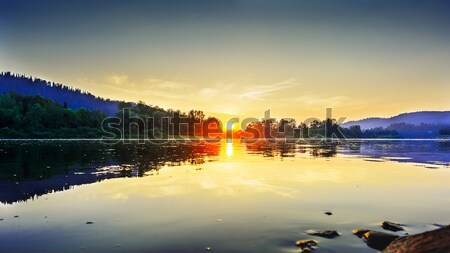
x=229, y=149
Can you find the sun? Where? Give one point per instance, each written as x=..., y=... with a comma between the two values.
x=226, y=128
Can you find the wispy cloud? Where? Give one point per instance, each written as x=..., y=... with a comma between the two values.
x=312, y=100
x=261, y=91
x=230, y=97
x=119, y=79
x=154, y=82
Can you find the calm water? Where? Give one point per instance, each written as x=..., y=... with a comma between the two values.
x=232, y=197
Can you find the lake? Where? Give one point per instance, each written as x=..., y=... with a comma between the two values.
x=90, y=196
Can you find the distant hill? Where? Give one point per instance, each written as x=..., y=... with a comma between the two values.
x=412, y=118
x=73, y=98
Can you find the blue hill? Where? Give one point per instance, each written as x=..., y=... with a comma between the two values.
x=73, y=98
x=412, y=118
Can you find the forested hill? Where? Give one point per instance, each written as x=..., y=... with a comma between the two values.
x=65, y=95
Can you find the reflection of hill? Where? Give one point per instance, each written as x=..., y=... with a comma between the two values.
x=419, y=151
x=12, y=192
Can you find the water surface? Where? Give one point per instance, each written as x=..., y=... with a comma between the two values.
x=232, y=197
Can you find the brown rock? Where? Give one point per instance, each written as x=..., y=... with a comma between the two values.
x=379, y=240
x=360, y=232
x=433, y=241
x=392, y=226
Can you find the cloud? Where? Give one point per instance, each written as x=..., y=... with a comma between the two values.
x=165, y=84
x=316, y=100
x=261, y=91
x=118, y=79
x=143, y=88
x=231, y=97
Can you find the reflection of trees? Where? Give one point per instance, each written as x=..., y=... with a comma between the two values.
x=271, y=149
x=30, y=169
x=44, y=159
x=326, y=150
x=147, y=157
x=283, y=149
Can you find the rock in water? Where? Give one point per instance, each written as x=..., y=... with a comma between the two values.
x=306, y=243
x=431, y=241
x=379, y=240
x=392, y=226
x=306, y=246
x=323, y=233
x=360, y=232
x=328, y=213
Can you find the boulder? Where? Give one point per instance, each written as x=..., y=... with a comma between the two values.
x=433, y=241
x=379, y=240
x=392, y=226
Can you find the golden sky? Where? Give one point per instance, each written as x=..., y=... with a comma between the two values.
x=296, y=58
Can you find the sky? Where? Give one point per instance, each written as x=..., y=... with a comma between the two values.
x=240, y=57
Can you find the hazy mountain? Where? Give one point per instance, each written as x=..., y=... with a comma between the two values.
x=73, y=98
x=412, y=118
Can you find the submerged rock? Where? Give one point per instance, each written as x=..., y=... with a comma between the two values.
x=306, y=243
x=360, y=232
x=90, y=222
x=392, y=226
x=328, y=213
x=379, y=240
x=323, y=233
x=437, y=240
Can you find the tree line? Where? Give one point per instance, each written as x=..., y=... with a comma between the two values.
x=28, y=116
x=25, y=116
x=329, y=128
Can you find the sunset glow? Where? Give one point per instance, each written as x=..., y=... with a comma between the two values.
x=219, y=126
x=244, y=57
